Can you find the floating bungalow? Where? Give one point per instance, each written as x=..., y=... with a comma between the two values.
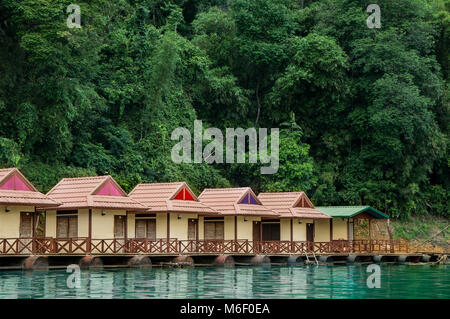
x=92, y=210
x=174, y=212
x=242, y=215
x=298, y=221
x=18, y=217
x=356, y=222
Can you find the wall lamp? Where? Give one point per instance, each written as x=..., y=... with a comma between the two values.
x=299, y=221
x=103, y=213
x=179, y=216
x=245, y=219
x=7, y=209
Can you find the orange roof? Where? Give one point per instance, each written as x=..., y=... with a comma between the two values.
x=30, y=197
x=80, y=192
x=227, y=202
x=291, y=204
x=160, y=198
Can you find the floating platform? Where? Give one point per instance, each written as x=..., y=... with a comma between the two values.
x=92, y=262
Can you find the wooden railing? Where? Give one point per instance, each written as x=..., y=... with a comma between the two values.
x=82, y=246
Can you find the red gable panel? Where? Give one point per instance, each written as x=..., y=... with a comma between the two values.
x=183, y=194
x=15, y=182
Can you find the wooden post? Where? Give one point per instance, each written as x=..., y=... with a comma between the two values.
x=168, y=227
x=168, y=232
x=235, y=228
x=370, y=236
x=331, y=229
x=260, y=230
x=33, y=232
x=126, y=245
x=292, y=234
x=196, y=229
x=89, y=232
x=235, y=235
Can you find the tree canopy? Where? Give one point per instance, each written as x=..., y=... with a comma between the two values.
x=363, y=113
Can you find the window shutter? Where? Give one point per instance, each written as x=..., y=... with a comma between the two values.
x=62, y=227
x=140, y=228
x=151, y=229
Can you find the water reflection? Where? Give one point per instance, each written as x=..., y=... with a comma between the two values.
x=397, y=281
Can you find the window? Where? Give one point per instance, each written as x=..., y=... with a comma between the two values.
x=66, y=225
x=146, y=228
x=214, y=228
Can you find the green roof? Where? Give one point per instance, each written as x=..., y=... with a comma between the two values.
x=350, y=211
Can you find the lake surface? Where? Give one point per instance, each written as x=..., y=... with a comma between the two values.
x=349, y=281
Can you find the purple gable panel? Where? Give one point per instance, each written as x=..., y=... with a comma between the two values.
x=253, y=200
x=249, y=199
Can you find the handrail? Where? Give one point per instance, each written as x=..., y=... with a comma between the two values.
x=85, y=245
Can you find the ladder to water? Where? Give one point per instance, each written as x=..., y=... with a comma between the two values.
x=307, y=257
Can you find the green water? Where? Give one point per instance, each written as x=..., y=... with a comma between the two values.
x=397, y=281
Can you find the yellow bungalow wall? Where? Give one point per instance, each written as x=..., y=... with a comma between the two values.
x=201, y=227
x=50, y=223
x=131, y=222
x=285, y=229
x=228, y=228
x=179, y=227
x=300, y=229
x=161, y=225
x=83, y=223
x=245, y=228
x=322, y=230
x=339, y=228
x=103, y=226
x=10, y=221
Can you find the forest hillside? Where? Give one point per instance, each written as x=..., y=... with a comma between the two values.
x=363, y=112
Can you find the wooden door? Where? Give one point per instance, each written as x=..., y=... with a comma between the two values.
x=271, y=231
x=310, y=232
x=119, y=226
x=26, y=225
x=350, y=230
x=119, y=233
x=192, y=229
x=256, y=231
x=26, y=232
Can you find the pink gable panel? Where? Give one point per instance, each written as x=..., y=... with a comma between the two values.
x=109, y=189
x=14, y=182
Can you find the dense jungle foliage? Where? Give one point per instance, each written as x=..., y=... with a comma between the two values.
x=363, y=113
